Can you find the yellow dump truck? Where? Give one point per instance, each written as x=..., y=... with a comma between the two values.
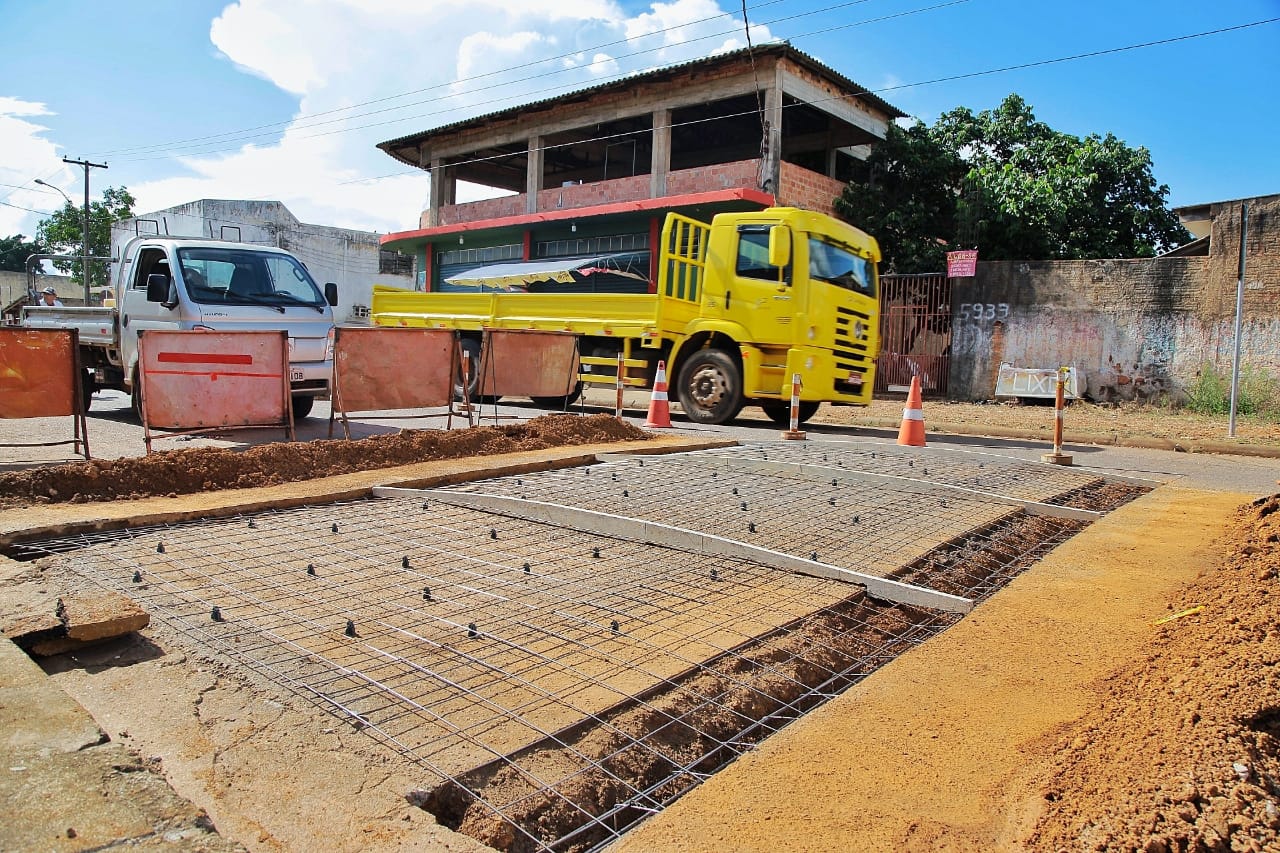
x=741, y=305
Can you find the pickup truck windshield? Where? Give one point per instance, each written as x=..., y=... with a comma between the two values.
x=217, y=276
x=841, y=266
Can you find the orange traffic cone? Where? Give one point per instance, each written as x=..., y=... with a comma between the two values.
x=911, y=433
x=659, y=407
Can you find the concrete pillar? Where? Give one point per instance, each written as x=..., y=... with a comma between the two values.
x=533, y=175
x=773, y=114
x=443, y=191
x=660, y=164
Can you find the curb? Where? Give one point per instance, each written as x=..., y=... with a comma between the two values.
x=1069, y=437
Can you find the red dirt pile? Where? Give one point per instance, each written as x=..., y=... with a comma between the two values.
x=1183, y=753
x=207, y=469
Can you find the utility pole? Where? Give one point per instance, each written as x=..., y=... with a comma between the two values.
x=87, y=166
x=1235, y=360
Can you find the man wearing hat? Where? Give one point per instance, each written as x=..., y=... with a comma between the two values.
x=49, y=297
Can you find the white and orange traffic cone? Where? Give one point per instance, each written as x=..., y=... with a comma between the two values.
x=659, y=406
x=795, y=433
x=911, y=433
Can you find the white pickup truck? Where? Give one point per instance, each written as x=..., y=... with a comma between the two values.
x=193, y=283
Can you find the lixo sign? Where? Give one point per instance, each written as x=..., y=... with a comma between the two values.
x=962, y=264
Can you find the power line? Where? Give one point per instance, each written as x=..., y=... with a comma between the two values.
x=241, y=137
x=450, y=84
x=947, y=79
x=27, y=209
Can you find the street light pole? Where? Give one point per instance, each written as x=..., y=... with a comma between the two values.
x=58, y=190
x=87, y=166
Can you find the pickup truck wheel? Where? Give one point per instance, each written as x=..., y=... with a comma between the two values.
x=87, y=387
x=710, y=387
x=302, y=407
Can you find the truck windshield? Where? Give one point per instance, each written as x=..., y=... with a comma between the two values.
x=218, y=276
x=841, y=266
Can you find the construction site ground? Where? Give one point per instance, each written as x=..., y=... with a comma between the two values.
x=1061, y=714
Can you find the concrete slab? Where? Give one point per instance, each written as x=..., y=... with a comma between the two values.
x=100, y=614
x=73, y=789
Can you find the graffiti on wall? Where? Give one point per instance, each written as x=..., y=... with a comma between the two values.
x=1127, y=382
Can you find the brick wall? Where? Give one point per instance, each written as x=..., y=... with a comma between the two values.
x=799, y=187
x=720, y=176
x=599, y=192
x=1138, y=329
x=474, y=211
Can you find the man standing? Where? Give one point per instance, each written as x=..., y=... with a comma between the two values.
x=49, y=297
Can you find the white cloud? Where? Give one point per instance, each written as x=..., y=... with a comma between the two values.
x=452, y=58
x=28, y=155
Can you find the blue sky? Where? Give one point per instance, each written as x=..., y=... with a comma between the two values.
x=286, y=99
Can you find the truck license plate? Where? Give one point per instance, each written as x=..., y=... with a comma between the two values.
x=295, y=375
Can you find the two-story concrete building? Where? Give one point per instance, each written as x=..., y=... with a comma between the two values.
x=591, y=174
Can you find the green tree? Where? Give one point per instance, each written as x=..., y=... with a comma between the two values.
x=15, y=250
x=1024, y=192
x=910, y=201
x=63, y=232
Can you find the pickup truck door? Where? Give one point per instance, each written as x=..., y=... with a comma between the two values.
x=136, y=313
x=760, y=296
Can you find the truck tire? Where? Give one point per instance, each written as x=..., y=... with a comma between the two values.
x=559, y=403
x=780, y=412
x=710, y=387
x=302, y=407
x=471, y=354
x=87, y=387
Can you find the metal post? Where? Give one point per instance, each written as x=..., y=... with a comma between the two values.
x=85, y=269
x=1057, y=457
x=795, y=433
x=1235, y=360
x=620, y=380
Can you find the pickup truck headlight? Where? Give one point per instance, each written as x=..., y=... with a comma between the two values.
x=328, y=345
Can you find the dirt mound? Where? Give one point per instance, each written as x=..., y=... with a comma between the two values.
x=207, y=469
x=1183, y=753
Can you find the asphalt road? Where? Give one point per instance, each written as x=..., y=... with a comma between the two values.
x=113, y=433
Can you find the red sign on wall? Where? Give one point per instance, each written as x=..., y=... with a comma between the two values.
x=963, y=264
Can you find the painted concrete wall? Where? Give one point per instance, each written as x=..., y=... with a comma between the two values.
x=1138, y=329
x=342, y=255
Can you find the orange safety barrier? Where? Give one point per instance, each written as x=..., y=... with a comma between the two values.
x=911, y=433
x=200, y=381
x=527, y=363
x=40, y=377
x=385, y=368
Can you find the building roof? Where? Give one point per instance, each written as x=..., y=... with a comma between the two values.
x=781, y=50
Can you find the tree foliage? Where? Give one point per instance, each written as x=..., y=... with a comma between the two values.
x=63, y=232
x=15, y=250
x=1011, y=186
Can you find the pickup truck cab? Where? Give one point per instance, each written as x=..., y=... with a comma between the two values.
x=178, y=284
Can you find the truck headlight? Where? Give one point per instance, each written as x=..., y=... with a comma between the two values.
x=813, y=333
x=328, y=345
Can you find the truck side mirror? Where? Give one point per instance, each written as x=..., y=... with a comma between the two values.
x=779, y=246
x=161, y=289
x=331, y=293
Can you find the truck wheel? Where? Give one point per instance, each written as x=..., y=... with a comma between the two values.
x=471, y=354
x=302, y=407
x=710, y=387
x=780, y=413
x=559, y=403
x=87, y=387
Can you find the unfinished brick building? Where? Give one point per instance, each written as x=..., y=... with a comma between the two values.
x=741, y=130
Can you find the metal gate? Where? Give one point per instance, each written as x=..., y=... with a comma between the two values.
x=915, y=333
